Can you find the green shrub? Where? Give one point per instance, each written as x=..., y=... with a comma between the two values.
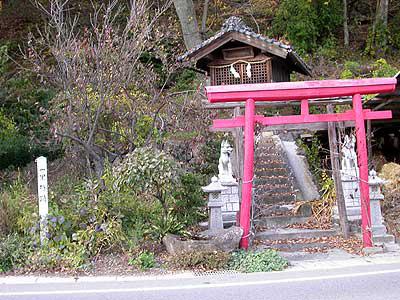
x=189, y=200
x=312, y=151
x=296, y=19
x=201, y=260
x=3, y=58
x=17, y=209
x=262, y=261
x=14, y=147
x=377, y=41
x=158, y=182
x=394, y=31
x=306, y=22
x=144, y=260
x=381, y=68
x=13, y=252
x=185, y=80
x=25, y=102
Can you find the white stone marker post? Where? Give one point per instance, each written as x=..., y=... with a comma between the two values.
x=43, y=196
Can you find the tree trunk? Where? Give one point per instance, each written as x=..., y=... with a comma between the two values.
x=381, y=21
x=345, y=24
x=187, y=18
x=382, y=10
x=204, y=18
x=98, y=164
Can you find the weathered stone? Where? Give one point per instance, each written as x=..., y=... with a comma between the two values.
x=215, y=204
x=305, y=210
x=372, y=250
x=224, y=163
x=224, y=240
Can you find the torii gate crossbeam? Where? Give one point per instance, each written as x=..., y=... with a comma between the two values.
x=304, y=91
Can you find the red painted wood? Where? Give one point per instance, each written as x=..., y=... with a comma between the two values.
x=304, y=107
x=302, y=91
x=363, y=169
x=248, y=173
x=280, y=120
x=299, y=90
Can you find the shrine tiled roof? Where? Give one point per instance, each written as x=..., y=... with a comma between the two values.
x=236, y=24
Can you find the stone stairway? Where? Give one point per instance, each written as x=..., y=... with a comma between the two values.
x=275, y=196
x=273, y=180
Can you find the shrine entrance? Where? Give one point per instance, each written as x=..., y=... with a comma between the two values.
x=303, y=92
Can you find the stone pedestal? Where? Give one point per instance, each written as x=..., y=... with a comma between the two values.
x=351, y=193
x=230, y=200
x=215, y=204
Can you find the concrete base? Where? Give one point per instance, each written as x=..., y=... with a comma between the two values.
x=386, y=238
x=391, y=247
x=372, y=250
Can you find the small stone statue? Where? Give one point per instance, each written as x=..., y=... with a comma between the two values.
x=349, y=159
x=225, y=165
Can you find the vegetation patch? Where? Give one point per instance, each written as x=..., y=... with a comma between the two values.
x=144, y=260
x=257, y=261
x=201, y=260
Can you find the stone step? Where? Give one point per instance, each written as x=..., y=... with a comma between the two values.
x=268, y=165
x=277, y=200
x=391, y=247
x=272, y=180
x=387, y=238
x=272, y=172
x=293, y=247
x=292, y=233
x=277, y=154
x=267, y=189
x=265, y=144
x=281, y=221
x=266, y=196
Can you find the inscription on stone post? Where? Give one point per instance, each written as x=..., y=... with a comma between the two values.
x=43, y=195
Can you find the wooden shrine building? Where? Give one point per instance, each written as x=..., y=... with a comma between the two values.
x=238, y=55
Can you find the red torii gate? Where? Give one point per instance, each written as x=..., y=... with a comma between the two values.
x=303, y=91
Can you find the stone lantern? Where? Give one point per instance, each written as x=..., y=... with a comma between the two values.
x=376, y=196
x=215, y=204
x=380, y=236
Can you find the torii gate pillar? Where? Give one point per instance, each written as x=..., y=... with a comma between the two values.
x=248, y=171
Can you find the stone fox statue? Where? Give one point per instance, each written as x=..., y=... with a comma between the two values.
x=225, y=165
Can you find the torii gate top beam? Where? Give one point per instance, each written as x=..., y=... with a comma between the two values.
x=284, y=91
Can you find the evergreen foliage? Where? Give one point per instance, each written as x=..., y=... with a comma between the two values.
x=306, y=23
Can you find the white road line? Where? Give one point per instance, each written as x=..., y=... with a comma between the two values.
x=197, y=286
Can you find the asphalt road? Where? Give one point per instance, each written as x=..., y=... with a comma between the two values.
x=373, y=282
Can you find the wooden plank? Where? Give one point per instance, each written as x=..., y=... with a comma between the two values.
x=335, y=162
x=211, y=47
x=298, y=90
x=290, y=127
x=322, y=126
x=304, y=107
x=239, y=152
x=369, y=143
x=265, y=46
